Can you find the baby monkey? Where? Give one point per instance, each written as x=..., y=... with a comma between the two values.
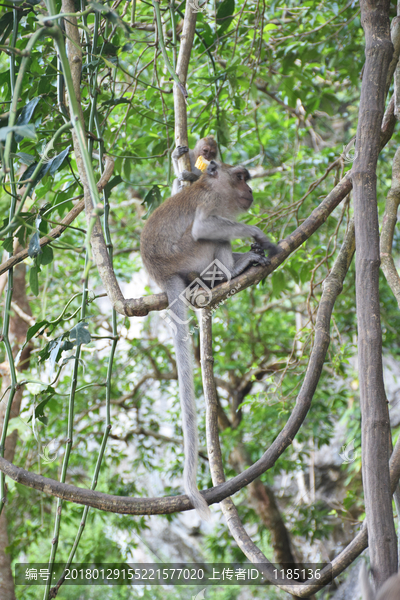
x=181, y=239
x=206, y=147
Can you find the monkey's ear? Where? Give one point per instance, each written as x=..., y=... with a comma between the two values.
x=212, y=168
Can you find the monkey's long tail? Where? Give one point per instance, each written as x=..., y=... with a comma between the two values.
x=180, y=325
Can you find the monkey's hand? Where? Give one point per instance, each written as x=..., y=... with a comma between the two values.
x=179, y=151
x=187, y=176
x=263, y=242
x=257, y=249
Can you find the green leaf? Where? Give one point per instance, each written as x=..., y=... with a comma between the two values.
x=6, y=23
x=225, y=9
x=51, y=166
x=25, y=116
x=27, y=174
x=152, y=200
x=224, y=19
x=25, y=131
x=34, y=280
x=8, y=244
x=47, y=255
x=26, y=159
x=56, y=162
x=35, y=328
x=54, y=350
x=39, y=409
x=278, y=283
x=80, y=333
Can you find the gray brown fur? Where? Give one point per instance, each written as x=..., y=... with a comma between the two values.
x=179, y=241
x=206, y=147
x=389, y=591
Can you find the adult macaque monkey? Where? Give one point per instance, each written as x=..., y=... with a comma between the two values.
x=206, y=147
x=389, y=591
x=180, y=241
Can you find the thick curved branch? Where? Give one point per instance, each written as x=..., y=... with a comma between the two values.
x=332, y=289
x=142, y=506
x=126, y=505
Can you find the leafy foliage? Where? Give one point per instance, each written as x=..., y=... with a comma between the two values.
x=278, y=85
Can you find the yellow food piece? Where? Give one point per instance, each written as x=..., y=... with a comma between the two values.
x=202, y=163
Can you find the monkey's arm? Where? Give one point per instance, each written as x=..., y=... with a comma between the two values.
x=219, y=229
x=195, y=172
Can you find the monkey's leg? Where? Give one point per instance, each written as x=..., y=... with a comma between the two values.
x=247, y=259
x=237, y=262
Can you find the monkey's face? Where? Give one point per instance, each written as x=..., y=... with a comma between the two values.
x=244, y=192
x=208, y=152
x=231, y=182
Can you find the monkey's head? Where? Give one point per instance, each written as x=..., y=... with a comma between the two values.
x=233, y=181
x=207, y=148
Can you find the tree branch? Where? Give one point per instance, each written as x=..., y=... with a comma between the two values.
x=389, y=223
x=66, y=221
x=182, y=65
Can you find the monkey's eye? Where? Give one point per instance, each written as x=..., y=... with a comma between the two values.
x=240, y=176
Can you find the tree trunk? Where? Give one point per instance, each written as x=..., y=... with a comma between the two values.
x=374, y=411
x=18, y=331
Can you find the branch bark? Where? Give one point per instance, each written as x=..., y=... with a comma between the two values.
x=182, y=65
x=374, y=411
